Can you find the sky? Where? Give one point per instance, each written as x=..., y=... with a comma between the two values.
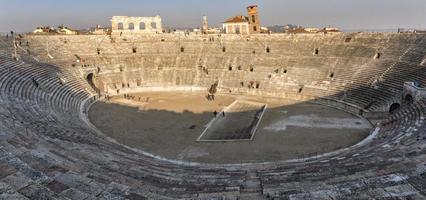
x=25, y=15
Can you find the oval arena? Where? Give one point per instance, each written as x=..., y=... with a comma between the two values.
x=298, y=116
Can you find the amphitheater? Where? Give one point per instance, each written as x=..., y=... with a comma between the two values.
x=67, y=132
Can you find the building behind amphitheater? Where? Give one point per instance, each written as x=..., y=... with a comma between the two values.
x=50, y=150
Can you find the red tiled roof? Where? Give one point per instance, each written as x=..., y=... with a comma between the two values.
x=237, y=19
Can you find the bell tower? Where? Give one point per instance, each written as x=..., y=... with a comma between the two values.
x=205, y=25
x=253, y=15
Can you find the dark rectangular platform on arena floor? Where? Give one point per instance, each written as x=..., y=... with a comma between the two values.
x=238, y=124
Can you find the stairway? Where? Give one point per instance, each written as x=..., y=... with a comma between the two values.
x=252, y=188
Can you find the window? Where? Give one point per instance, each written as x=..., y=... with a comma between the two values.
x=331, y=75
x=316, y=52
x=378, y=55
x=230, y=29
x=131, y=26
x=230, y=68
x=348, y=39
x=268, y=50
x=182, y=49
x=98, y=51
x=251, y=68
x=134, y=49
x=120, y=26
x=285, y=71
x=237, y=29
x=254, y=28
x=244, y=29
x=154, y=25
x=223, y=49
x=253, y=19
x=142, y=26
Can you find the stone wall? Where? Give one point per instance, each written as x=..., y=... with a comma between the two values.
x=340, y=66
x=417, y=93
x=134, y=25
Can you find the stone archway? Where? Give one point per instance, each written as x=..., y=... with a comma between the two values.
x=91, y=80
x=120, y=26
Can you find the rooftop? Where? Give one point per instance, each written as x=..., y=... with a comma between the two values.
x=237, y=19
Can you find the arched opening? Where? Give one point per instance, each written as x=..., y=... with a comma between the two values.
x=316, y=52
x=394, y=107
x=120, y=26
x=408, y=99
x=142, y=26
x=131, y=26
x=91, y=81
x=153, y=25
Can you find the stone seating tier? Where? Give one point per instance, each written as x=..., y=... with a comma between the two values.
x=47, y=151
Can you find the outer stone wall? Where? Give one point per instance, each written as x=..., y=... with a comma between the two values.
x=132, y=25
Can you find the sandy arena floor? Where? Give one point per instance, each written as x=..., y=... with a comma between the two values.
x=169, y=124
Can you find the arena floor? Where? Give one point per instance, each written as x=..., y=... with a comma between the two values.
x=168, y=124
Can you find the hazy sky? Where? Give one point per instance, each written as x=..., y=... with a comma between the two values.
x=25, y=15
